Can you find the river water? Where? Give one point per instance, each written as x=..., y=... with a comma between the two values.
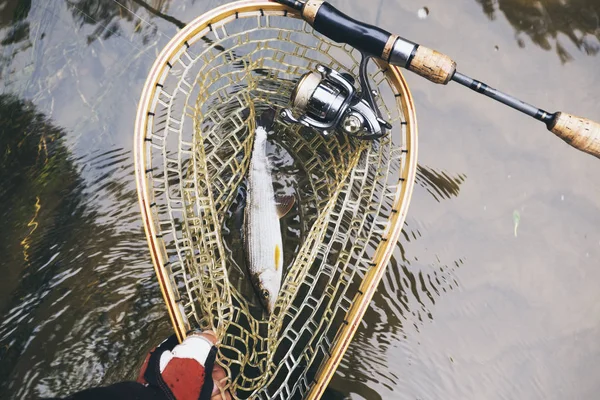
x=492, y=292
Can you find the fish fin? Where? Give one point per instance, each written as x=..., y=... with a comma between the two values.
x=277, y=256
x=267, y=119
x=238, y=212
x=284, y=205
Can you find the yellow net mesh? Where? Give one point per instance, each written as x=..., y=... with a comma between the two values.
x=197, y=148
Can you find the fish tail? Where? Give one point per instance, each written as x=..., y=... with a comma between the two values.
x=267, y=119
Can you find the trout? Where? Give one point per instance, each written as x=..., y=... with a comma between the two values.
x=262, y=231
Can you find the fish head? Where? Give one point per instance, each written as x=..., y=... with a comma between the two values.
x=268, y=290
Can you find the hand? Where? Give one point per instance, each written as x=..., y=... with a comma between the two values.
x=219, y=376
x=187, y=370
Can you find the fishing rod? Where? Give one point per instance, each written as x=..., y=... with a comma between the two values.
x=372, y=41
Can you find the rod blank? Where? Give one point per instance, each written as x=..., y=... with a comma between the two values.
x=503, y=98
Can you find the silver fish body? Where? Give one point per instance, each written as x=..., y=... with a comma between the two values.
x=262, y=230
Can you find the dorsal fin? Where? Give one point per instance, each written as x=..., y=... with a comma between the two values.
x=284, y=205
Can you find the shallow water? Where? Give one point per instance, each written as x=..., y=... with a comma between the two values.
x=467, y=308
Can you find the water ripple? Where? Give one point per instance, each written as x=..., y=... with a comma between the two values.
x=403, y=304
x=86, y=270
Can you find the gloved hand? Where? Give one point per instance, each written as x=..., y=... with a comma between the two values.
x=186, y=371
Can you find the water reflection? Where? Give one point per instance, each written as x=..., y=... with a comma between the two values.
x=32, y=151
x=13, y=14
x=107, y=14
x=545, y=21
x=79, y=304
x=14, y=27
x=403, y=303
x=439, y=184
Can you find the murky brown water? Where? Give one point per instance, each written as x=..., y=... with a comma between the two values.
x=467, y=309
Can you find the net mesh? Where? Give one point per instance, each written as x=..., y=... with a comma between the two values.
x=198, y=146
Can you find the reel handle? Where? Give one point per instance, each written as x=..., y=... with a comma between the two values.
x=581, y=133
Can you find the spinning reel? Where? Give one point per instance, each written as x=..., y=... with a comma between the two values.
x=328, y=101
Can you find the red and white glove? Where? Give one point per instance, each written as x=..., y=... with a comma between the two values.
x=185, y=371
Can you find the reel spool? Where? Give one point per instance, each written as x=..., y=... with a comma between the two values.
x=193, y=145
x=327, y=101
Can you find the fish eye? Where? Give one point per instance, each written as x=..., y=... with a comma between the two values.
x=265, y=293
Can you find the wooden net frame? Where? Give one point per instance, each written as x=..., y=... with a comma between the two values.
x=193, y=141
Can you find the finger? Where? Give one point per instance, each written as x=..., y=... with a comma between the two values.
x=222, y=395
x=208, y=335
x=221, y=381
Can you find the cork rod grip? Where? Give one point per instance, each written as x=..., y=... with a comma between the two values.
x=581, y=133
x=432, y=65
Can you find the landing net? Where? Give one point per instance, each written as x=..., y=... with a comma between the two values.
x=194, y=135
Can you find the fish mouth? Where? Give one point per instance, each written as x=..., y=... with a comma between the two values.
x=268, y=302
x=266, y=305
x=265, y=296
